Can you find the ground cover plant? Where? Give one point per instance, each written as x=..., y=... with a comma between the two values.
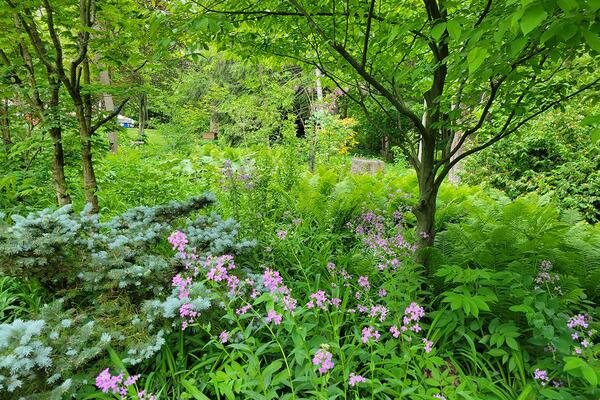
x=299, y=200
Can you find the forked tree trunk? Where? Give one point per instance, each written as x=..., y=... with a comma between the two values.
x=58, y=159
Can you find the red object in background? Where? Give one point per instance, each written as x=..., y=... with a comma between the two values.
x=31, y=120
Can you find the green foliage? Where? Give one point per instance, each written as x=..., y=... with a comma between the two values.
x=554, y=156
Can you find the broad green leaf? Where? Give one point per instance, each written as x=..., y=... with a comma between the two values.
x=567, y=5
x=532, y=18
x=438, y=30
x=590, y=375
x=592, y=39
x=573, y=363
x=475, y=58
x=454, y=29
x=595, y=135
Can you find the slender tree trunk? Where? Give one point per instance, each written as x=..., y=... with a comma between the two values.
x=142, y=116
x=58, y=159
x=109, y=105
x=5, y=126
x=83, y=110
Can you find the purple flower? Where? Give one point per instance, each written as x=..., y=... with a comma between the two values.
x=541, y=375
x=354, y=379
x=394, y=331
x=368, y=333
x=363, y=281
x=223, y=337
x=281, y=234
x=428, y=345
x=323, y=359
x=382, y=293
x=178, y=240
x=272, y=316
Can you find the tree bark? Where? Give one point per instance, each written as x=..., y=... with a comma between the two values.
x=58, y=159
x=142, y=116
x=425, y=209
x=5, y=125
x=109, y=105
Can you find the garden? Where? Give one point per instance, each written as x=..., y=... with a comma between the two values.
x=299, y=200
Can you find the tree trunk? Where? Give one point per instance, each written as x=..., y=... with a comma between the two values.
x=143, y=114
x=453, y=174
x=83, y=111
x=89, y=177
x=425, y=209
x=109, y=106
x=58, y=159
x=5, y=126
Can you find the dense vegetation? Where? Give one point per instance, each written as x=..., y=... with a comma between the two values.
x=160, y=262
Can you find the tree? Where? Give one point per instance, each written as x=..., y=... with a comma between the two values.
x=45, y=109
x=63, y=49
x=424, y=62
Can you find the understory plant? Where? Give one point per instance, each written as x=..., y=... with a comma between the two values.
x=94, y=273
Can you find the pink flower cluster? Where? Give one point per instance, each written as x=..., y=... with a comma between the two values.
x=178, y=240
x=541, y=375
x=387, y=247
x=116, y=384
x=579, y=324
x=369, y=332
x=272, y=316
x=412, y=315
x=273, y=281
x=322, y=359
x=353, y=379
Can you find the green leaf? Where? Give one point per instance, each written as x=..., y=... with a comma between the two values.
x=590, y=375
x=475, y=58
x=512, y=343
x=551, y=394
x=438, y=30
x=595, y=135
x=193, y=390
x=567, y=5
x=532, y=18
x=592, y=39
x=573, y=363
x=454, y=29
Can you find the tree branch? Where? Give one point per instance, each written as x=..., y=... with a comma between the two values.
x=108, y=117
x=367, y=33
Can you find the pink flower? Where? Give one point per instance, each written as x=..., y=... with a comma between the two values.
x=578, y=320
x=323, y=359
x=541, y=375
x=336, y=301
x=243, y=309
x=224, y=337
x=187, y=313
x=394, y=331
x=363, y=281
x=354, y=379
x=368, y=333
x=272, y=316
x=428, y=345
x=178, y=240
x=281, y=234
x=382, y=293
x=320, y=299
